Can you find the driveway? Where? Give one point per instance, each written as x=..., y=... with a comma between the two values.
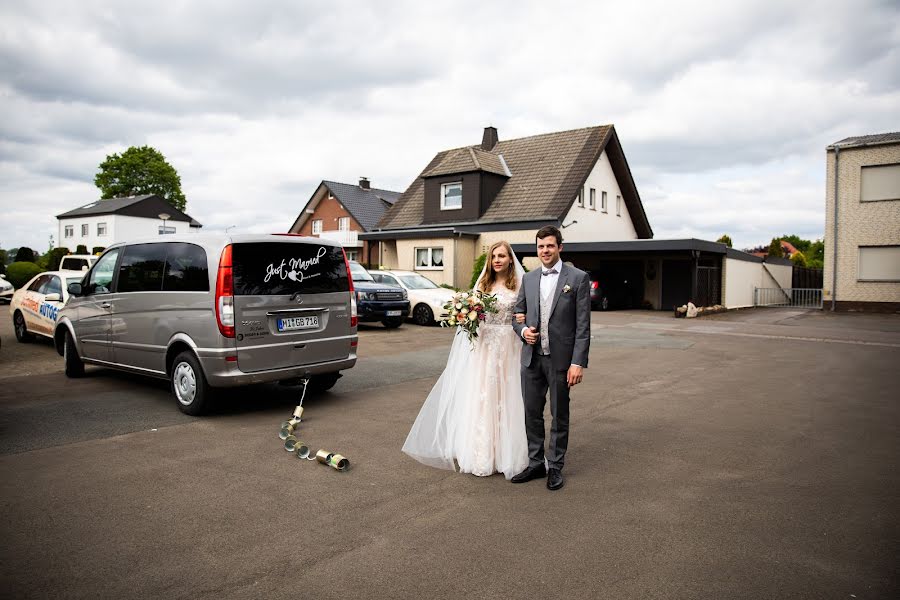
x=746, y=455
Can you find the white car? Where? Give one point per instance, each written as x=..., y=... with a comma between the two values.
x=34, y=306
x=426, y=298
x=77, y=262
x=6, y=289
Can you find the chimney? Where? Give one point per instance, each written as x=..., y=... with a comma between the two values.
x=489, y=140
x=364, y=183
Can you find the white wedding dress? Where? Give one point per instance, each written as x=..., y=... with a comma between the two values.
x=474, y=416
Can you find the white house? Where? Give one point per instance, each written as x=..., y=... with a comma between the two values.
x=105, y=222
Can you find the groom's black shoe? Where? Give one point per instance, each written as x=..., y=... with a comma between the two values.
x=555, y=479
x=530, y=473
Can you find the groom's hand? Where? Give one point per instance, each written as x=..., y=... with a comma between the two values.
x=529, y=334
x=573, y=377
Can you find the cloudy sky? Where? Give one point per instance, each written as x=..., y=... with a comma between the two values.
x=724, y=109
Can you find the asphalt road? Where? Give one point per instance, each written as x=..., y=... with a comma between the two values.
x=745, y=455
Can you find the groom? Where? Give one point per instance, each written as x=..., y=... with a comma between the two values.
x=556, y=301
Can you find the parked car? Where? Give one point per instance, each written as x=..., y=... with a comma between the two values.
x=426, y=298
x=609, y=292
x=378, y=301
x=35, y=305
x=209, y=311
x=6, y=289
x=77, y=262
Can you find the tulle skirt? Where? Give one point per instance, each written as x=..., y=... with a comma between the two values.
x=474, y=419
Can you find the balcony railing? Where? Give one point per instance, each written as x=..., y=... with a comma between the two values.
x=343, y=237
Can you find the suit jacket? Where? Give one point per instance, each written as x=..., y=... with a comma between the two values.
x=570, y=316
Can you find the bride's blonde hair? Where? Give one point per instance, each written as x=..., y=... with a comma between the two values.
x=490, y=277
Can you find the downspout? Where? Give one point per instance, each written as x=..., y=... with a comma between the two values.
x=837, y=156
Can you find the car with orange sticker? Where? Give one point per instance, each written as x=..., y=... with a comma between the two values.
x=35, y=305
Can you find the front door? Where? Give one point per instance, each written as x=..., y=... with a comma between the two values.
x=93, y=324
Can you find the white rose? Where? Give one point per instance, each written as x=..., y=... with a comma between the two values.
x=458, y=305
x=473, y=315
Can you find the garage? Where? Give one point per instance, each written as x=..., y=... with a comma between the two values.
x=652, y=274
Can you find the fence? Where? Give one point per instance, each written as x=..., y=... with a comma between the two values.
x=788, y=297
x=709, y=286
x=807, y=278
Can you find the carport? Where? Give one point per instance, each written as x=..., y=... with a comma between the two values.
x=658, y=274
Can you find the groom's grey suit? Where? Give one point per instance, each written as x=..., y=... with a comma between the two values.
x=568, y=330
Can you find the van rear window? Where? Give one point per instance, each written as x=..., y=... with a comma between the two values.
x=277, y=268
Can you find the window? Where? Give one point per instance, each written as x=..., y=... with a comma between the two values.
x=38, y=283
x=70, y=231
x=592, y=200
x=603, y=201
x=186, y=268
x=581, y=197
x=141, y=269
x=283, y=269
x=352, y=254
x=429, y=259
x=53, y=286
x=85, y=230
x=101, y=276
x=317, y=226
x=344, y=223
x=101, y=229
x=881, y=182
x=879, y=263
x=451, y=196
x=618, y=206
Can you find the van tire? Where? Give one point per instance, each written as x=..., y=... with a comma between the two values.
x=21, y=329
x=422, y=315
x=392, y=323
x=188, y=384
x=74, y=365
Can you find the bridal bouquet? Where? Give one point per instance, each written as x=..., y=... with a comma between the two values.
x=468, y=310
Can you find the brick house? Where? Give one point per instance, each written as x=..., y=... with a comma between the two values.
x=341, y=211
x=862, y=223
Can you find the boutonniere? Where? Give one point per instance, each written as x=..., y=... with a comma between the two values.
x=567, y=289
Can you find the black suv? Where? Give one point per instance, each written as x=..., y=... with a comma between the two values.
x=378, y=301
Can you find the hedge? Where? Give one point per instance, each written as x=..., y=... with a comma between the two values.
x=19, y=273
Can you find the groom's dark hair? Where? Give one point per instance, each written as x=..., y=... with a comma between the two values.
x=547, y=231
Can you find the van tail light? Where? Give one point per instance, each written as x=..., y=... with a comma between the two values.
x=595, y=285
x=354, y=316
x=225, y=294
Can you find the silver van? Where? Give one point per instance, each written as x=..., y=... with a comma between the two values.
x=208, y=311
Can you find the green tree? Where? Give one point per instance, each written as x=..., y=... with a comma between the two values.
x=54, y=256
x=815, y=256
x=24, y=254
x=4, y=256
x=81, y=249
x=476, y=269
x=139, y=171
x=775, y=248
x=725, y=239
x=797, y=242
x=799, y=259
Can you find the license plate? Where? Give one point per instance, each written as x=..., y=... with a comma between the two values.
x=295, y=323
x=392, y=313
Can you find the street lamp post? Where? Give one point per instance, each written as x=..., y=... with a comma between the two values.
x=165, y=217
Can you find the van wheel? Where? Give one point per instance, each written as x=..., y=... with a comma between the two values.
x=22, y=333
x=74, y=366
x=322, y=383
x=422, y=315
x=392, y=323
x=189, y=384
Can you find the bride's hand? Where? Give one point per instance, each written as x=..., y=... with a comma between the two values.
x=520, y=318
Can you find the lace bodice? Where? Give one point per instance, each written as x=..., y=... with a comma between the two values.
x=506, y=304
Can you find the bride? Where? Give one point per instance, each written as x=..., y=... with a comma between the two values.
x=474, y=414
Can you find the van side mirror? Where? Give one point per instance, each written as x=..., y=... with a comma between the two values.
x=74, y=289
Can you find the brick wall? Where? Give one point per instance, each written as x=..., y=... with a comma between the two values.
x=329, y=210
x=859, y=224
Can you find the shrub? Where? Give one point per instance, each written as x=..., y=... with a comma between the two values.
x=54, y=256
x=24, y=254
x=98, y=249
x=799, y=259
x=20, y=272
x=81, y=249
x=476, y=269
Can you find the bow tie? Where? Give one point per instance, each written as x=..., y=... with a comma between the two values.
x=550, y=272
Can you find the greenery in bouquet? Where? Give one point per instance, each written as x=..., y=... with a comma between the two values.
x=468, y=310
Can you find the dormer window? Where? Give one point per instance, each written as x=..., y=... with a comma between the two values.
x=451, y=196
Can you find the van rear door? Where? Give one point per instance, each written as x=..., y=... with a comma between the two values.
x=291, y=304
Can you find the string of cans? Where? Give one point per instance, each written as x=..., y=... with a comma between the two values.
x=301, y=449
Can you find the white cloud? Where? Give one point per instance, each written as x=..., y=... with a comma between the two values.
x=724, y=109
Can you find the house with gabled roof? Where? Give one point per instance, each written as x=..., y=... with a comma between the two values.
x=341, y=211
x=103, y=222
x=467, y=198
